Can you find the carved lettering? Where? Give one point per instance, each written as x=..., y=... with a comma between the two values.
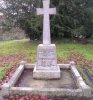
x=46, y=58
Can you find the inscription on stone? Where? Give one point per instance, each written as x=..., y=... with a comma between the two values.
x=47, y=58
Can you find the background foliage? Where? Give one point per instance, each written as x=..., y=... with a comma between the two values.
x=74, y=18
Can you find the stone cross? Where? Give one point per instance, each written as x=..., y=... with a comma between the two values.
x=46, y=11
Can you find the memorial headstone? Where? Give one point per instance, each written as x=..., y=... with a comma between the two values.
x=46, y=67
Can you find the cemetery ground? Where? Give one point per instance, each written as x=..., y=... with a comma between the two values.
x=12, y=52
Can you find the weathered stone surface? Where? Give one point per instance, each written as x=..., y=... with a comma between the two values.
x=23, y=63
x=46, y=91
x=82, y=91
x=86, y=89
x=16, y=75
x=46, y=57
x=80, y=82
x=6, y=87
x=30, y=66
x=46, y=67
x=46, y=11
x=64, y=66
x=61, y=66
x=46, y=74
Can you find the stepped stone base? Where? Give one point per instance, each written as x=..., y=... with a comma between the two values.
x=46, y=74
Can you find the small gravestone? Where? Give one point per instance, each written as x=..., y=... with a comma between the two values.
x=46, y=67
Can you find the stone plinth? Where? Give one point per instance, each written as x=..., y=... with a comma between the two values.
x=46, y=67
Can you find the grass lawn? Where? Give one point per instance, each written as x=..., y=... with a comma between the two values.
x=29, y=49
x=12, y=52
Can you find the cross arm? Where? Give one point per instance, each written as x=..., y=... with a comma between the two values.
x=39, y=11
x=52, y=11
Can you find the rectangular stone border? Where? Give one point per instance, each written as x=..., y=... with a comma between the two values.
x=83, y=90
x=62, y=66
x=46, y=91
x=80, y=82
x=7, y=86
